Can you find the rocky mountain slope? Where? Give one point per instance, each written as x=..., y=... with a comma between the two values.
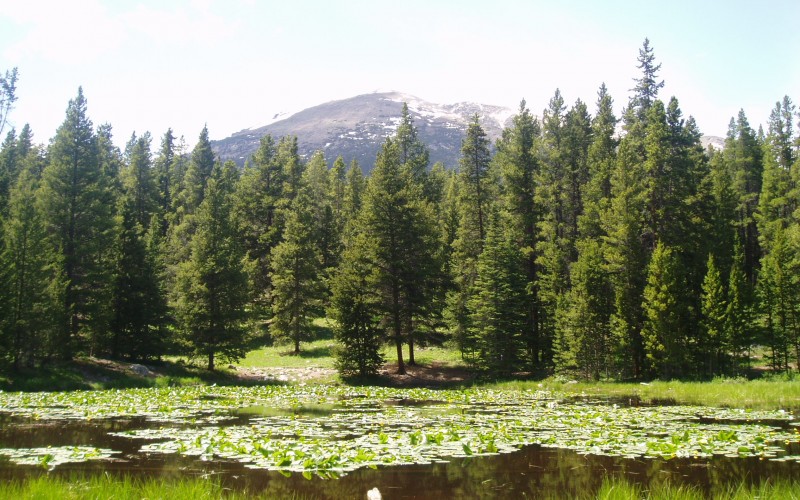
x=356, y=127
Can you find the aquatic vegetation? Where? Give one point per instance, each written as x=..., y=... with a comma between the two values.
x=329, y=430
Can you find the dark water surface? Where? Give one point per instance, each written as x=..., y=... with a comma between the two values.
x=532, y=472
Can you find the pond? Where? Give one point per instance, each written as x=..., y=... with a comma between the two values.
x=339, y=442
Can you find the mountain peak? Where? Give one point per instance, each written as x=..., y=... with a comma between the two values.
x=356, y=127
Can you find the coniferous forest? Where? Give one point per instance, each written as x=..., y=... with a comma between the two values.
x=584, y=243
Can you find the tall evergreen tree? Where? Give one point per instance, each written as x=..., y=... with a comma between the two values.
x=401, y=225
x=743, y=158
x=414, y=153
x=30, y=283
x=356, y=310
x=519, y=167
x=664, y=337
x=163, y=178
x=77, y=209
x=586, y=343
x=198, y=172
x=738, y=314
x=716, y=343
x=212, y=286
x=296, y=275
x=259, y=194
x=779, y=294
x=138, y=326
x=138, y=182
x=497, y=304
x=647, y=86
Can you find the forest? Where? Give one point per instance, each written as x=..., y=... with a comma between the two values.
x=580, y=243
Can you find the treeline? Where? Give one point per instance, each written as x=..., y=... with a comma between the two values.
x=588, y=244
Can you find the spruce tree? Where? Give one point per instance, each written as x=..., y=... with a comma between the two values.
x=586, y=342
x=744, y=160
x=355, y=308
x=77, y=210
x=779, y=294
x=259, y=194
x=497, y=303
x=402, y=227
x=296, y=275
x=138, y=182
x=198, y=172
x=715, y=342
x=664, y=337
x=138, y=326
x=519, y=167
x=212, y=289
x=163, y=178
x=738, y=314
x=473, y=207
x=28, y=272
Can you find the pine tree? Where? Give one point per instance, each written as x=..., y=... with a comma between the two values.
x=743, y=158
x=32, y=306
x=355, y=308
x=738, y=313
x=138, y=182
x=259, y=193
x=519, y=167
x=776, y=206
x=76, y=204
x=716, y=343
x=199, y=172
x=497, y=303
x=138, y=326
x=779, y=294
x=316, y=184
x=664, y=337
x=647, y=86
x=163, y=178
x=354, y=190
x=584, y=327
x=414, y=155
x=402, y=227
x=212, y=287
x=473, y=207
x=296, y=275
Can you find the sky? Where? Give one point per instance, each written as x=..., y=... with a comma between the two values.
x=233, y=64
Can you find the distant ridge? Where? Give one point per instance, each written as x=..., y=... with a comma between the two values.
x=356, y=127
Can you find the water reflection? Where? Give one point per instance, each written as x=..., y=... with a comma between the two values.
x=534, y=471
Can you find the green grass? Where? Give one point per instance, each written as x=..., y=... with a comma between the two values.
x=318, y=353
x=734, y=393
x=47, y=487
x=122, y=488
x=621, y=489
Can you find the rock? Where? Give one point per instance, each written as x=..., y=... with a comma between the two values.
x=140, y=370
x=374, y=494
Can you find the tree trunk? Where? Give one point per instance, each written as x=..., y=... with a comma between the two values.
x=211, y=361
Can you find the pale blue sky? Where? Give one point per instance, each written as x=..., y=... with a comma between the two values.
x=149, y=65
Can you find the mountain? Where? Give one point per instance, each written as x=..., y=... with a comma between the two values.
x=356, y=127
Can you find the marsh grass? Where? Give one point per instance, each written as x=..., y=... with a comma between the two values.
x=733, y=393
x=78, y=487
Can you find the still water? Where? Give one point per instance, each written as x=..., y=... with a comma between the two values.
x=532, y=471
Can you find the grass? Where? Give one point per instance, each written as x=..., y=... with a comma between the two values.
x=78, y=487
x=733, y=393
x=621, y=489
x=122, y=488
x=95, y=374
